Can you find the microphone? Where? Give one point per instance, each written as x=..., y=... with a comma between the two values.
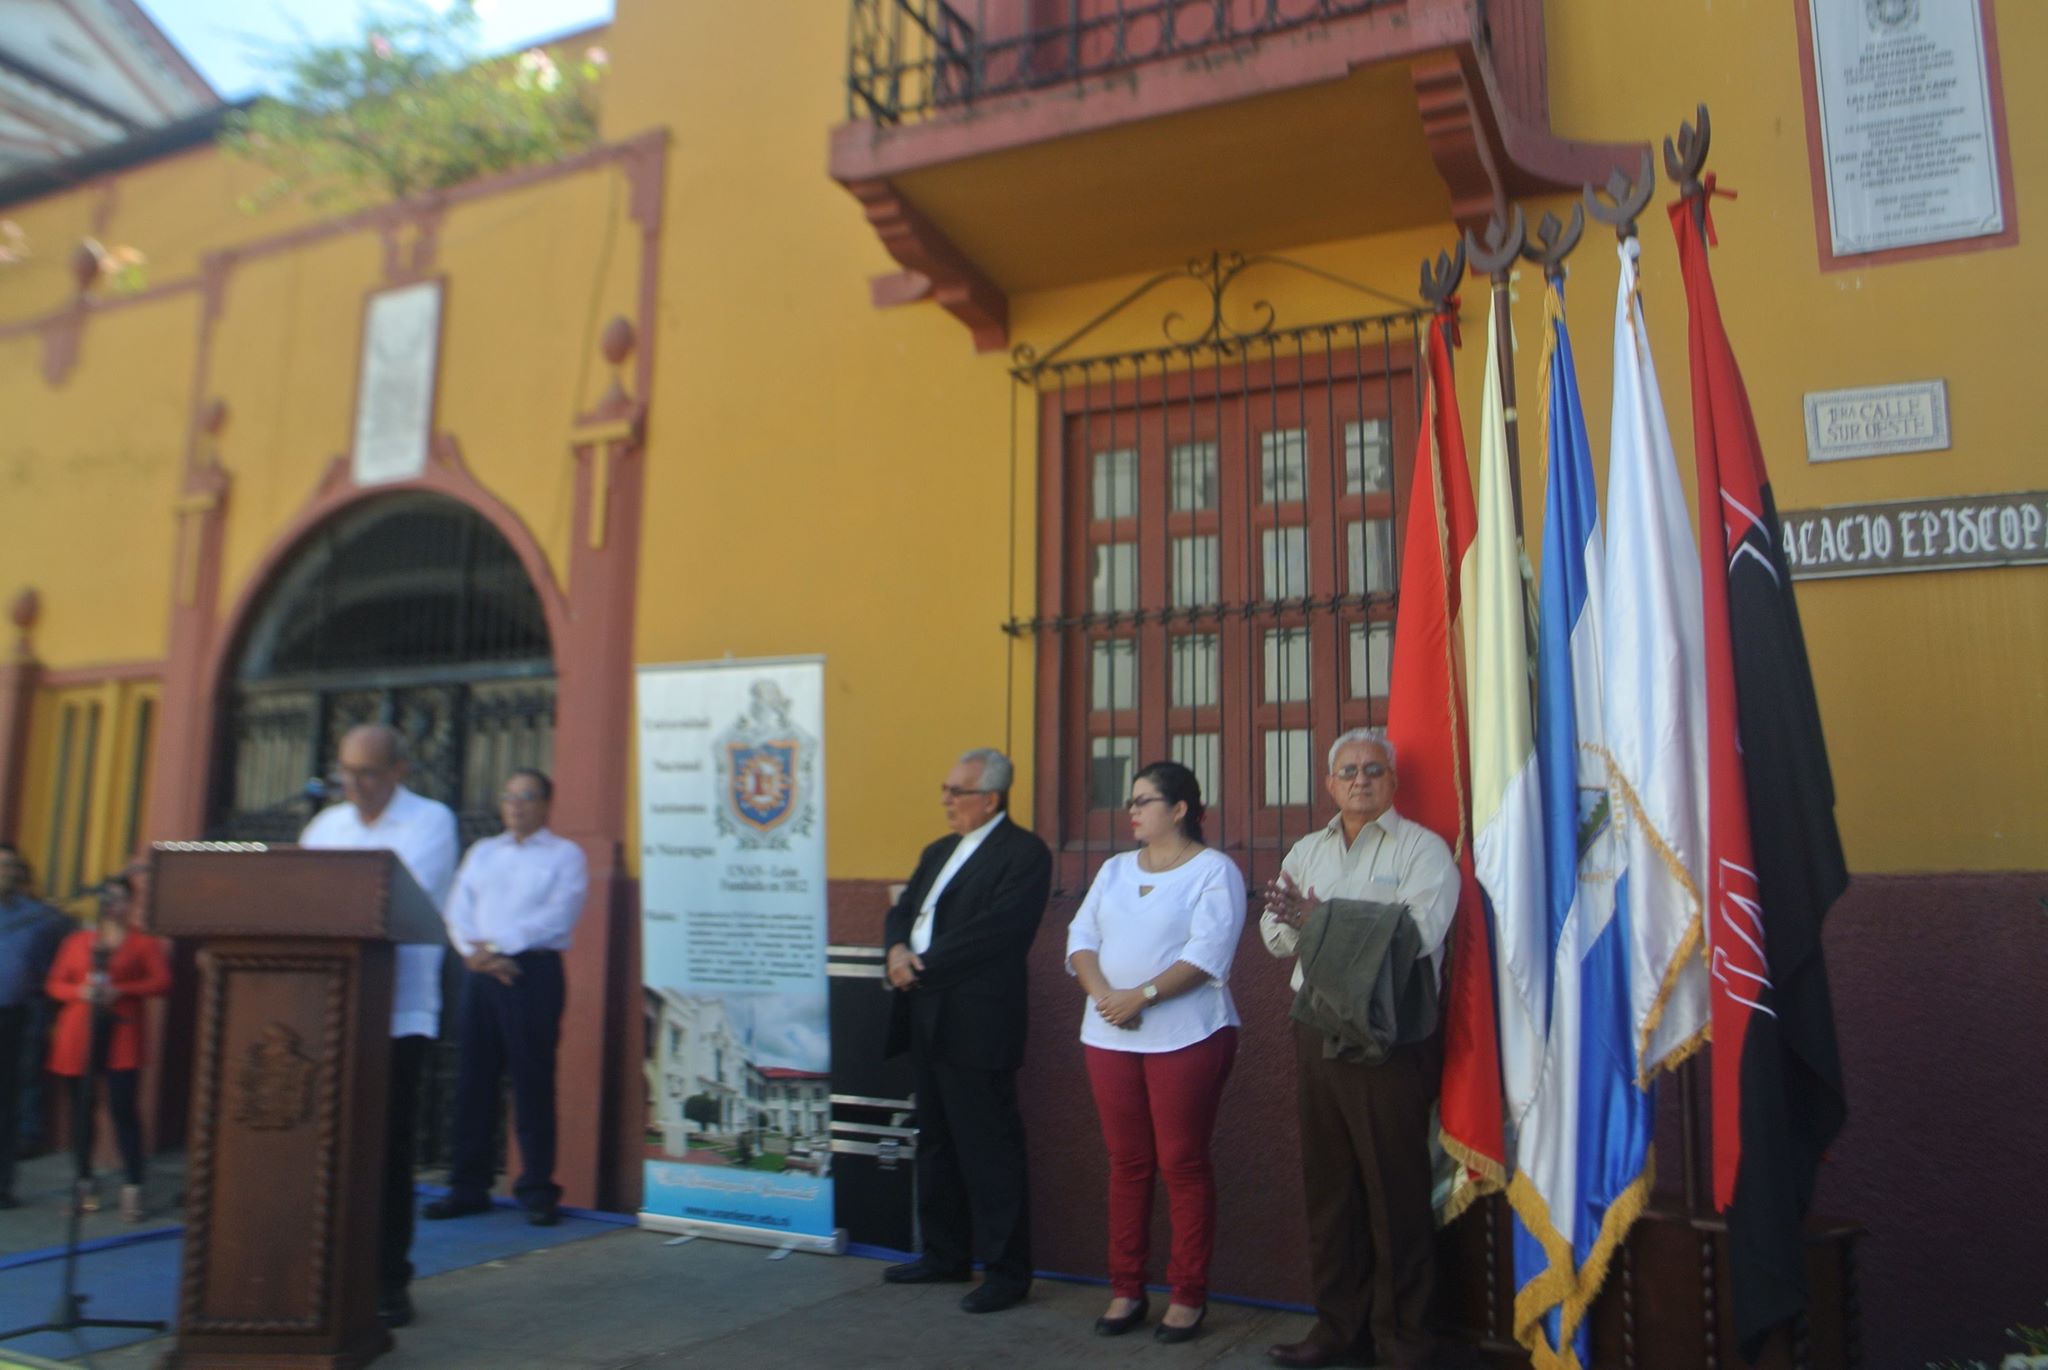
x=102, y=958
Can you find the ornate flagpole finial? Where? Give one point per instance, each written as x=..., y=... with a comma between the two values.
x=1441, y=278
x=1626, y=198
x=1503, y=245
x=1554, y=241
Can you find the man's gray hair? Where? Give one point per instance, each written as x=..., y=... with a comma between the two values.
x=1376, y=736
x=392, y=739
x=996, y=770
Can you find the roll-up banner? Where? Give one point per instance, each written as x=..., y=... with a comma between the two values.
x=732, y=893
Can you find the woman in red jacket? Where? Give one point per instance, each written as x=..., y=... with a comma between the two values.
x=106, y=972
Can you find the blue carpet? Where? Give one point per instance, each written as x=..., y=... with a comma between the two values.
x=136, y=1276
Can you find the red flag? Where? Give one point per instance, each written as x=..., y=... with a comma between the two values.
x=1426, y=723
x=1774, y=856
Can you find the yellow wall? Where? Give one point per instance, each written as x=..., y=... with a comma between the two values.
x=821, y=476
x=826, y=477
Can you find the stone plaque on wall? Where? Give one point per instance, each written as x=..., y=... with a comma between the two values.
x=1946, y=534
x=395, y=385
x=1877, y=420
x=1907, y=134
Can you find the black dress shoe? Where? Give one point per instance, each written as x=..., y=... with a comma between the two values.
x=394, y=1306
x=1173, y=1335
x=1116, y=1327
x=924, y=1271
x=454, y=1208
x=993, y=1296
x=547, y=1215
x=1307, y=1355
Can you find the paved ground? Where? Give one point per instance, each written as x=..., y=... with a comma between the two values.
x=43, y=1183
x=628, y=1299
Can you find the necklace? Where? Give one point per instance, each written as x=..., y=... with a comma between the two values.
x=1178, y=857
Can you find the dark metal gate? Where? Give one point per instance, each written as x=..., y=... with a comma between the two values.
x=413, y=611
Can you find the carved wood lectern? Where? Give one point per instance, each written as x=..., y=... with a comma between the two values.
x=286, y=1147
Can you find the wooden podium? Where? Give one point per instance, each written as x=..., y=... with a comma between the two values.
x=285, y=1153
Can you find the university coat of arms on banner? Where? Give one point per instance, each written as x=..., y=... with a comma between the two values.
x=767, y=768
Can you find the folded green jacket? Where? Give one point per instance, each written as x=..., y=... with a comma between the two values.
x=1366, y=983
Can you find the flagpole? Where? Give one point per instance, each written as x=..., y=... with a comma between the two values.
x=1496, y=257
x=1682, y=163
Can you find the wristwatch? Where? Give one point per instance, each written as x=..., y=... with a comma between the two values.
x=1150, y=991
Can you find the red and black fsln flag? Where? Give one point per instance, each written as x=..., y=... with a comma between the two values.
x=1774, y=854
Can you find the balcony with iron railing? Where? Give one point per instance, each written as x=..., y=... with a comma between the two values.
x=910, y=59
x=1001, y=146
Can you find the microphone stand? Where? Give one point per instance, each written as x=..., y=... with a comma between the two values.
x=68, y=1316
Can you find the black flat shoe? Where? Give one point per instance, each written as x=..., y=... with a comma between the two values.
x=1174, y=1335
x=1116, y=1327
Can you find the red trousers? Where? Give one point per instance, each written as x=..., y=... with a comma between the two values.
x=1158, y=1110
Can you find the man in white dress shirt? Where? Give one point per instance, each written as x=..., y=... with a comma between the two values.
x=379, y=813
x=1365, y=1156
x=516, y=901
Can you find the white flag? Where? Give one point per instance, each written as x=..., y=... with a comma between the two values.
x=1655, y=700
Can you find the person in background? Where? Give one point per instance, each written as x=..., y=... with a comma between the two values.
x=30, y=932
x=1365, y=1162
x=516, y=901
x=1152, y=946
x=958, y=940
x=99, y=981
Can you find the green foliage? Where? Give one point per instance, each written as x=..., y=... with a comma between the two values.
x=702, y=1110
x=408, y=107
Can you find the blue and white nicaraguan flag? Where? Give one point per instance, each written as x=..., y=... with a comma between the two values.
x=1561, y=1145
x=1643, y=987
x=1507, y=819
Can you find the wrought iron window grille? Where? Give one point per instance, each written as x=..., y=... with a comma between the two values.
x=1219, y=531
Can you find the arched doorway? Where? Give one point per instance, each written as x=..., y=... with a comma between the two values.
x=409, y=609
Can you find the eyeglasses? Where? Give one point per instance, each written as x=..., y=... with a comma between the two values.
x=1371, y=770
x=960, y=791
x=1139, y=801
x=520, y=797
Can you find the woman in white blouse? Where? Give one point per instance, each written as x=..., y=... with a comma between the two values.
x=1152, y=946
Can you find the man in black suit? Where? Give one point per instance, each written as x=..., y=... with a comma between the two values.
x=957, y=942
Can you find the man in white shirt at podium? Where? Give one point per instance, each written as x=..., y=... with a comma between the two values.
x=379, y=813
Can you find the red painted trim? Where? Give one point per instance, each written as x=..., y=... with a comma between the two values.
x=95, y=305
x=632, y=153
x=399, y=211
x=19, y=680
x=447, y=474
x=928, y=254
x=106, y=673
x=1817, y=171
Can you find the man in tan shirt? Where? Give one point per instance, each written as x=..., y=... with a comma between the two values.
x=1365, y=1128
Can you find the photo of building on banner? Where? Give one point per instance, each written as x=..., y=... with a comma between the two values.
x=732, y=864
